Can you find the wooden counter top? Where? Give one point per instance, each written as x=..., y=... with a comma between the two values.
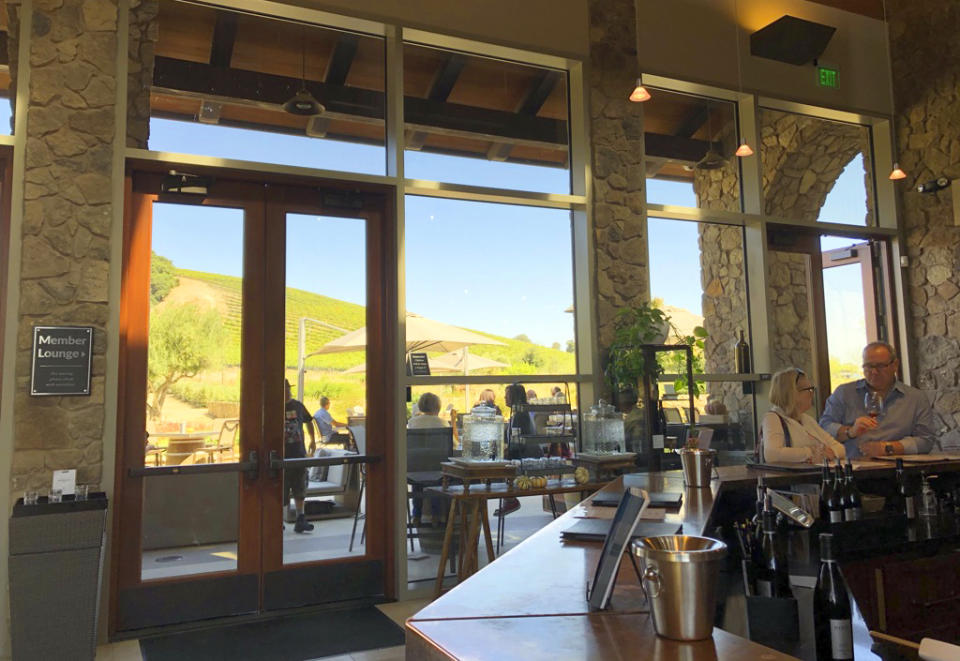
x=531, y=602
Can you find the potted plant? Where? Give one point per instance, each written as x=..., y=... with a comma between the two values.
x=633, y=328
x=640, y=325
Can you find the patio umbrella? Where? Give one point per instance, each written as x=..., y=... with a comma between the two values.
x=448, y=362
x=422, y=335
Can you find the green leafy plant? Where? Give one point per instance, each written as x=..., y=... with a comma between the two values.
x=633, y=328
x=675, y=362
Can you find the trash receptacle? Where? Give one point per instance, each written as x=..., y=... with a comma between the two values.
x=55, y=564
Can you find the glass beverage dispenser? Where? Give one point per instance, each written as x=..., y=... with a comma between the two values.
x=603, y=430
x=483, y=434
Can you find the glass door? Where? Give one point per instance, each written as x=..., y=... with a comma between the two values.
x=230, y=500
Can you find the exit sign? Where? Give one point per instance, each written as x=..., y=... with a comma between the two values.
x=827, y=77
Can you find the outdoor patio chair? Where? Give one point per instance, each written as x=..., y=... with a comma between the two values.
x=426, y=450
x=227, y=438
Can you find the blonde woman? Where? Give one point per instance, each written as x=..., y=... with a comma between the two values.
x=789, y=434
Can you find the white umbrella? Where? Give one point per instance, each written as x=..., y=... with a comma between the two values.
x=422, y=335
x=448, y=362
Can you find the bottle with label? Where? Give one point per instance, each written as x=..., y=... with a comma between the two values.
x=658, y=422
x=741, y=351
x=905, y=493
x=826, y=490
x=852, y=498
x=833, y=629
x=835, y=503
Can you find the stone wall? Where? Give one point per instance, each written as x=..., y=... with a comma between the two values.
x=144, y=30
x=620, y=232
x=791, y=330
x=66, y=228
x=928, y=145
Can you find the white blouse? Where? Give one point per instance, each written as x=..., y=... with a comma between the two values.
x=805, y=435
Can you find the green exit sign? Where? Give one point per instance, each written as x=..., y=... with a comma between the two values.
x=827, y=77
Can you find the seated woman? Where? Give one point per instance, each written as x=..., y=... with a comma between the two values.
x=789, y=434
x=428, y=413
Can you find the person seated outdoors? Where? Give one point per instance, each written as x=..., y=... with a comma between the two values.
x=789, y=433
x=905, y=423
x=325, y=421
x=489, y=398
x=428, y=417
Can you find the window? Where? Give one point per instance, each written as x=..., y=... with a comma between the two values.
x=221, y=79
x=484, y=122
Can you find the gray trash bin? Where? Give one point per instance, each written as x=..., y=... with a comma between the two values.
x=56, y=561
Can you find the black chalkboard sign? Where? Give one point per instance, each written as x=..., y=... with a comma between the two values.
x=419, y=365
x=61, y=360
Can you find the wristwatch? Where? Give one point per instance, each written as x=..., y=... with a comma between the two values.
x=888, y=448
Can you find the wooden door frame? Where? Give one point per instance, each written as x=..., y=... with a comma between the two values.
x=382, y=306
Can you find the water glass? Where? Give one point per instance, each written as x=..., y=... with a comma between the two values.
x=56, y=495
x=82, y=492
x=31, y=497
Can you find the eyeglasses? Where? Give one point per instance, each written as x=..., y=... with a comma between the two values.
x=877, y=366
x=800, y=373
x=807, y=389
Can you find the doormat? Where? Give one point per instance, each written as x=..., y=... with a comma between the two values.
x=294, y=638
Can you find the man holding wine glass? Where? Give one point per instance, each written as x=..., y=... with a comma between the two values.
x=879, y=415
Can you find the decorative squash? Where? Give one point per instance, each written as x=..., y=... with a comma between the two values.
x=581, y=475
x=523, y=482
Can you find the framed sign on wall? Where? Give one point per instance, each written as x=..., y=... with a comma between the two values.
x=61, y=360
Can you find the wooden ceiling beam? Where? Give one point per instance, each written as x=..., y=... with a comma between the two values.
x=540, y=91
x=447, y=77
x=203, y=80
x=342, y=59
x=224, y=38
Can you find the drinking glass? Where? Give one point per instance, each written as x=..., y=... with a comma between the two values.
x=56, y=495
x=82, y=492
x=873, y=403
x=31, y=497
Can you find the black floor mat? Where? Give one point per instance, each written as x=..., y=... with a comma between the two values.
x=294, y=638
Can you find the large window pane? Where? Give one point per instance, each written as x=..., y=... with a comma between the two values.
x=815, y=169
x=485, y=122
x=689, y=143
x=495, y=278
x=221, y=79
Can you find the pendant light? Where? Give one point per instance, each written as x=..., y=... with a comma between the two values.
x=303, y=102
x=639, y=93
x=896, y=173
x=744, y=149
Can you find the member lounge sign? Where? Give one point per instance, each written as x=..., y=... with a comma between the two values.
x=61, y=360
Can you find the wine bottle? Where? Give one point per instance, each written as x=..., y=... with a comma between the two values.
x=826, y=490
x=905, y=493
x=835, y=503
x=658, y=426
x=773, y=578
x=741, y=351
x=852, y=498
x=833, y=629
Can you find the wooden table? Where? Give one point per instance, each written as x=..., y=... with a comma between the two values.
x=606, y=467
x=478, y=472
x=472, y=509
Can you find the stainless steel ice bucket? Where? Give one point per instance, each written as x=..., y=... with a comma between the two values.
x=680, y=580
x=698, y=466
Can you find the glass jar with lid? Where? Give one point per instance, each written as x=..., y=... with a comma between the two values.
x=483, y=434
x=602, y=430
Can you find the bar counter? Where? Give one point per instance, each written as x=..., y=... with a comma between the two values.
x=531, y=602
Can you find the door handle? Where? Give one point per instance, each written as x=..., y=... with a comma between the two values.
x=250, y=467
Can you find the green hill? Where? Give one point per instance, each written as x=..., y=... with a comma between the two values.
x=522, y=357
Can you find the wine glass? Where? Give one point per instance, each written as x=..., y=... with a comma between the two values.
x=873, y=403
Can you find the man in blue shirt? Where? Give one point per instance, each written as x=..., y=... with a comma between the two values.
x=325, y=421
x=905, y=424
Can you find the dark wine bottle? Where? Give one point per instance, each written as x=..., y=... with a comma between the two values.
x=773, y=577
x=826, y=490
x=905, y=493
x=835, y=503
x=741, y=351
x=852, y=498
x=832, y=625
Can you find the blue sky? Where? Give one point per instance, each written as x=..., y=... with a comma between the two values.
x=491, y=267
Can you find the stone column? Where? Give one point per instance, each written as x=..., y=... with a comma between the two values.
x=67, y=217
x=928, y=146
x=142, y=39
x=620, y=230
